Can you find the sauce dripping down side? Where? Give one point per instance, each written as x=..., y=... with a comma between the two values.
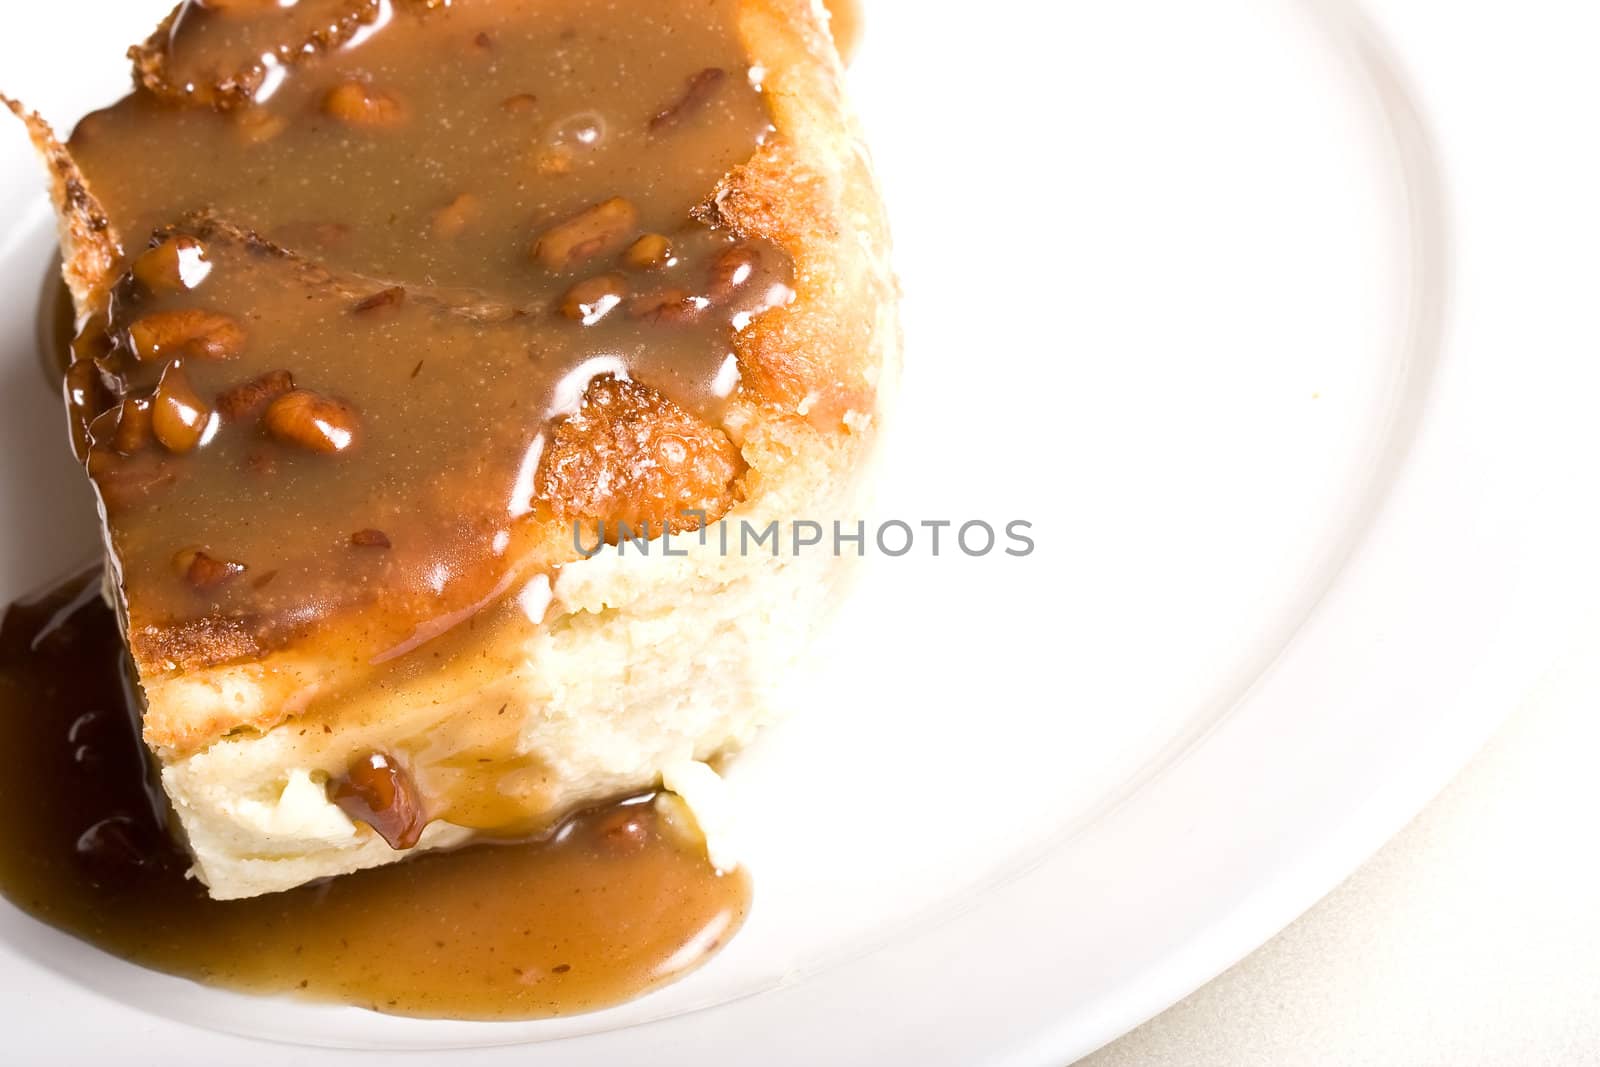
x=54, y=327
x=610, y=904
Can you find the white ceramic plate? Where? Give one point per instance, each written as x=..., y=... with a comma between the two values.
x=1231, y=309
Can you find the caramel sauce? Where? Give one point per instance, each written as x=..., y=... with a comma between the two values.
x=404, y=286
x=442, y=224
x=54, y=327
x=609, y=904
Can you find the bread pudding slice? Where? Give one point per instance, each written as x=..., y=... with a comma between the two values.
x=423, y=361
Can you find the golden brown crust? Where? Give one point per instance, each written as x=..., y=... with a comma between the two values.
x=810, y=190
x=90, y=248
x=210, y=640
x=809, y=382
x=629, y=456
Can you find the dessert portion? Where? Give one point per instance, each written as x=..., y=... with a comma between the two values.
x=391, y=313
x=613, y=901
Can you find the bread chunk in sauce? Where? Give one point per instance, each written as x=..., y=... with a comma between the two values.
x=385, y=308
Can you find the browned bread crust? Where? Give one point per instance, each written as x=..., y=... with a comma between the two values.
x=811, y=191
x=805, y=408
x=90, y=250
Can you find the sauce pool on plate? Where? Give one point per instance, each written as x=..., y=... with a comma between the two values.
x=613, y=902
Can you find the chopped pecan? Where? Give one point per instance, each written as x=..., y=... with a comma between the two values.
x=312, y=421
x=246, y=397
x=556, y=159
x=697, y=93
x=650, y=252
x=589, y=300
x=359, y=104
x=257, y=125
x=596, y=229
x=176, y=264
x=376, y=790
x=134, y=429
x=382, y=300
x=452, y=220
x=205, y=571
x=626, y=829
x=177, y=414
x=186, y=332
x=732, y=269
x=668, y=306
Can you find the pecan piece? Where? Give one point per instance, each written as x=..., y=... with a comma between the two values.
x=133, y=430
x=205, y=571
x=246, y=397
x=359, y=104
x=177, y=414
x=650, y=252
x=589, y=300
x=312, y=421
x=87, y=396
x=697, y=93
x=376, y=790
x=452, y=220
x=257, y=125
x=596, y=229
x=748, y=276
x=551, y=160
x=177, y=264
x=186, y=332
x=382, y=300
x=625, y=830
x=667, y=305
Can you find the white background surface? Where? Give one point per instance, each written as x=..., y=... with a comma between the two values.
x=1472, y=938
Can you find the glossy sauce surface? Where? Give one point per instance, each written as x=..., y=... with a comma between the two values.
x=54, y=327
x=612, y=903
x=442, y=229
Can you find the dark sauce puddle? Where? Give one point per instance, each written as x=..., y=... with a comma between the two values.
x=609, y=905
